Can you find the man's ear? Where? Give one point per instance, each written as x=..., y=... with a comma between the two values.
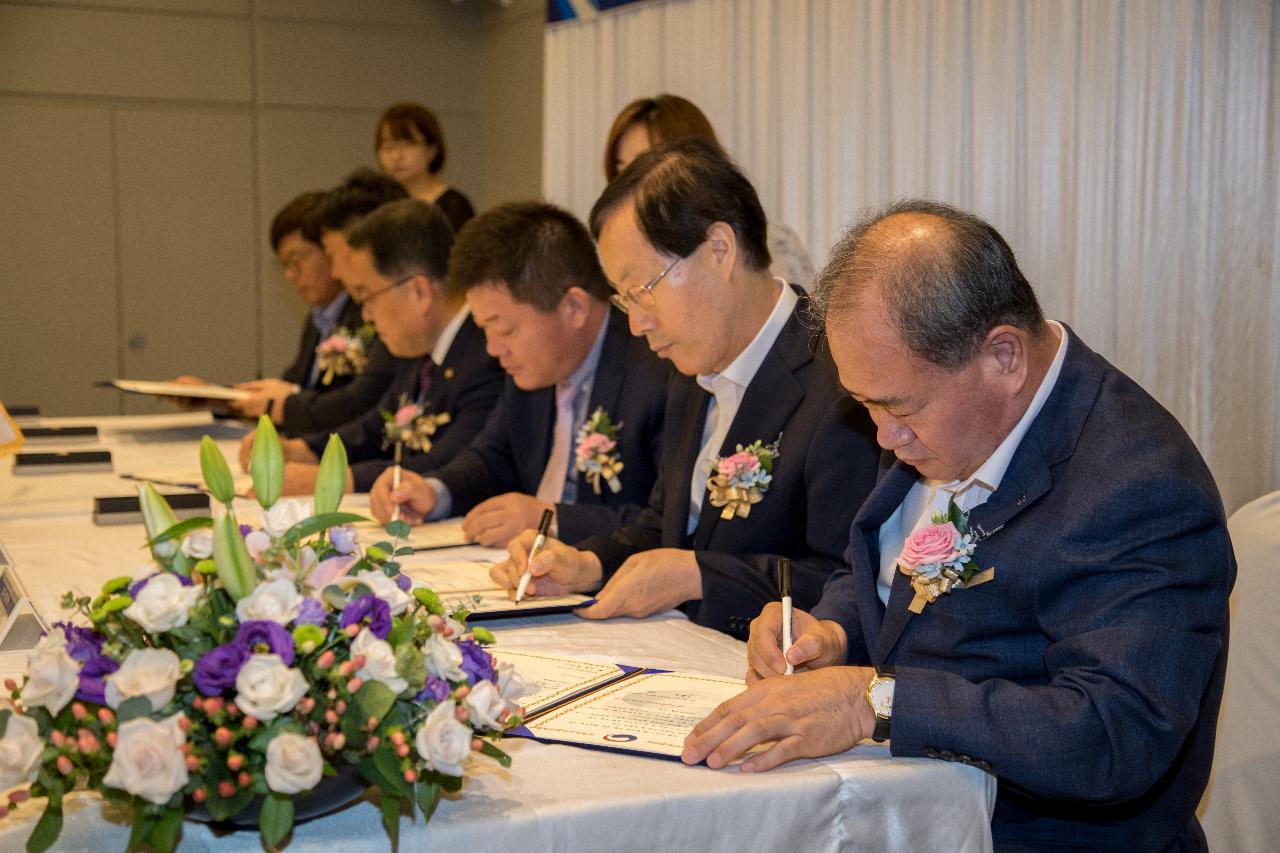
x=574, y=307
x=722, y=241
x=1006, y=354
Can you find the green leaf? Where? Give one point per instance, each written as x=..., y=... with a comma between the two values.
x=133, y=708
x=46, y=831
x=182, y=528
x=483, y=636
x=390, y=776
x=236, y=569
x=4, y=721
x=410, y=664
x=391, y=819
x=402, y=631
x=398, y=529
x=266, y=463
x=428, y=599
x=331, y=478
x=334, y=597
x=276, y=819
x=493, y=752
x=956, y=516
x=217, y=476
x=143, y=823
x=164, y=837
x=428, y=798
x=373, y=699
x=316, y=523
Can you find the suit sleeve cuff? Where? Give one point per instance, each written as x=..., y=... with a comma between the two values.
x=444, y=500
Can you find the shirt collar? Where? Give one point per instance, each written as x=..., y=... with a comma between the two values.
x=743, y=368
x=445, y=341
x=992, y=471
x=584, y=372
x=325, y=317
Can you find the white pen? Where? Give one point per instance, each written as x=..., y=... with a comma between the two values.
x=395, y=480
x=784, y=587
x=544, y=527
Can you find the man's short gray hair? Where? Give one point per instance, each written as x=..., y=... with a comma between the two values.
x=943, y=297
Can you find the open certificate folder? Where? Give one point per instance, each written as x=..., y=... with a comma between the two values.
x=460, y=576
x=432, y=536
x=612, y=707
x=176, y=389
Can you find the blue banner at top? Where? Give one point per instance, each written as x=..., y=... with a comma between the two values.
x=572, y=10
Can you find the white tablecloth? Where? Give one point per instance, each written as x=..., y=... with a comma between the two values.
x=553, y=797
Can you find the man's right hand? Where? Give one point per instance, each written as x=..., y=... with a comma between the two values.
x=557, y=570
x=414, y=496
x=816, y=643
x=295, y=450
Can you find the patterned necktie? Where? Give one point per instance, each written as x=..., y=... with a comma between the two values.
x=551, y=489
x=426, y=373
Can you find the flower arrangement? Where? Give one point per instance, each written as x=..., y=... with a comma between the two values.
x=596, y=453
x=939, y=558
x=739, y=481
x=344, y=353
x=246, y=665
x=410, y=426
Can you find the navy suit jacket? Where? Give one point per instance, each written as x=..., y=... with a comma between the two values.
x=1087, y=675
x=466, y=386
x=511, y=454
x=826, y=466
x=327, y=406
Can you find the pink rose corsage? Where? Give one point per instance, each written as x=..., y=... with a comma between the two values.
x=939, y=558
x=409, y=426
x=739, y=481
x=596, y=455
x=344, y=353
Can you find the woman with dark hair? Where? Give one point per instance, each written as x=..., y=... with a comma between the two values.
x=645, y=122
x=410, y=146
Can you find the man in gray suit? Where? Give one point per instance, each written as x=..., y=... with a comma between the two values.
x=1063, y=623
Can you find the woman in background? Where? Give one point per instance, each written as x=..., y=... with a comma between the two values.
x=410, y=146
x=645, y=122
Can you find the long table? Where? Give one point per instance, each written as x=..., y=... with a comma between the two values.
x=553, y=797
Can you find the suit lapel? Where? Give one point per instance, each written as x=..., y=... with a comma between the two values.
x=864, y=547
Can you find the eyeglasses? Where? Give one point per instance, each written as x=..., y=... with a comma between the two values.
x=642, y=295
x=368, y=299
x=293, y=262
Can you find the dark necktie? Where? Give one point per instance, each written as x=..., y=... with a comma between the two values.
x=426, y=373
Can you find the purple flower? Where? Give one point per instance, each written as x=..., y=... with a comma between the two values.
x=136, y=586
x=311, y=612
x=476, y=662
x=403, y=581
x=217, y=670
x=276, y=639
x=82, y=643
x=368, y=608
x=436, y=689
x=93, y=685
x=246, y=529
x=344, y=538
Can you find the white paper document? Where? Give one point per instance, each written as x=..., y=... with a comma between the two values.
x=179, y=389
x=652, y=713
x=431, y=536
x=550, y=679
x=460, y=576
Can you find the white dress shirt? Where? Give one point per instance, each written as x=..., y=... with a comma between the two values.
x=727, y=389
x=929, y=496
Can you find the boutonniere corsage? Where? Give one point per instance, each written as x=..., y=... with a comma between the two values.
x=939, y=558
x=596, y=455
x=411, y=427
x=344, y=353
x=739, y=481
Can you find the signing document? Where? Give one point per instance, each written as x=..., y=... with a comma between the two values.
x=460, y=576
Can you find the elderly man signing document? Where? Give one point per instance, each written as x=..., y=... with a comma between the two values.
x=1037, y=586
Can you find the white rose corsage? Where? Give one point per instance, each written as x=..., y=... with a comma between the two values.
x=596, y=454
x=739, y=481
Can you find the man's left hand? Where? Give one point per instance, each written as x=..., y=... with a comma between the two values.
x=647, y=583
x=806, y=715
x=495, y=522
x=268, y=398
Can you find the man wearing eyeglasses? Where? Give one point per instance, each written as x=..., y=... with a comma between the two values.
x=578, y=429
x=396, y=272
x=763, y=458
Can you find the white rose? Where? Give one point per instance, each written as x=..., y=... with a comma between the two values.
x=283, y=515
x=294, y=764
x=257, y=543
x=274, y=601
x=267, y=688
x=444, y=742
x=199, y=545
x=20, y=750
x=52, y=676
x=379, y=661
x=386, y=589
x=147, y=760
x=510, y=684
x=486, y=705
x=444, y=658
x=162, y=604
x=152, y=673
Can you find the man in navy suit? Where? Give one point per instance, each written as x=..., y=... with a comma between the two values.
x=762, y=457
x=396, y=270
x=1081, y=658
x=534, y=285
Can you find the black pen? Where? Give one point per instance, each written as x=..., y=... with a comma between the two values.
x=784, y=589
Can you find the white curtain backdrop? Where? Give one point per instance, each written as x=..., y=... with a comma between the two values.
x=1127, y=149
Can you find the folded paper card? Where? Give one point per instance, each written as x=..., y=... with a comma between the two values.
x=176, y=389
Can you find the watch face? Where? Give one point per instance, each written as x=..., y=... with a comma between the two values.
x=881, y=697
